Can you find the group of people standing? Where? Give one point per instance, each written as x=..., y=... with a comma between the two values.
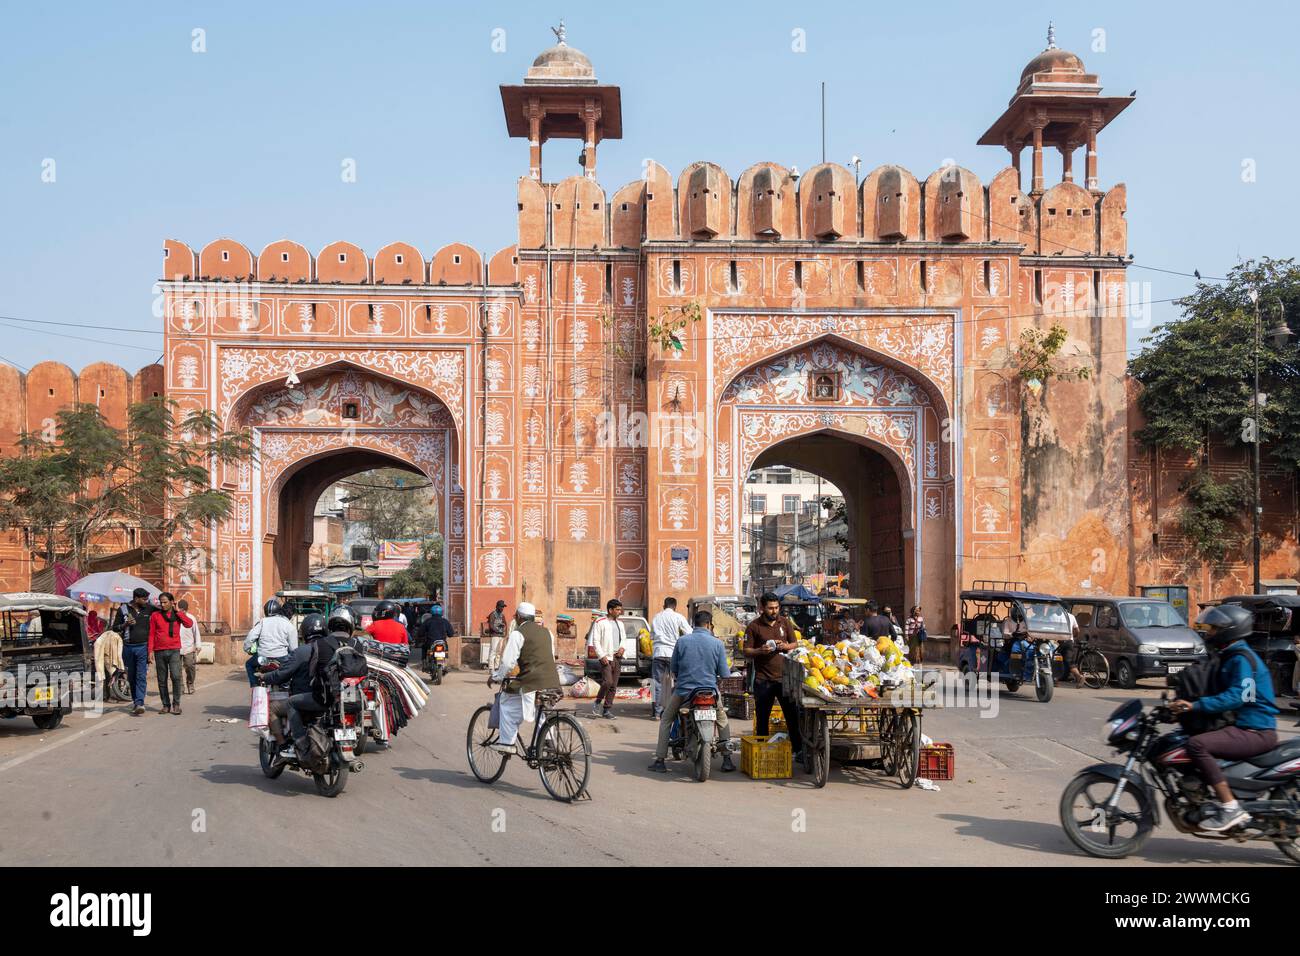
x=166, y=632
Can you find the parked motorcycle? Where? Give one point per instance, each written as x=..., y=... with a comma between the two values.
x=695, y=732
x=340, y=725
x=1109, y=810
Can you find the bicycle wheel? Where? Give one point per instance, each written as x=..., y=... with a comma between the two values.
x=564, y=758
x=487, y=764
x=1095, y=670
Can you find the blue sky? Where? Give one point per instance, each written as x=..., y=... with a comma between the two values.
x=246, y=140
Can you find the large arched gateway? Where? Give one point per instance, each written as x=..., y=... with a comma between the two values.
x=589, y=399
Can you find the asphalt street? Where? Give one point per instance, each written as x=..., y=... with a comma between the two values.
x=165, y=790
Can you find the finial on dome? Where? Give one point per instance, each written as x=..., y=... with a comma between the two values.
x=560, y=33
x=1051, y=34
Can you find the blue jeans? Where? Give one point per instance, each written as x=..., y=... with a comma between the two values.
x=135, y=658
x=661, y=682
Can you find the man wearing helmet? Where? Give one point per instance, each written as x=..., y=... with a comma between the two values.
x=339, y=628
x=293, y=675
x=434, y=627
x=385, y=627
x=529, y=647
x=273, y=637
x=1242, y=687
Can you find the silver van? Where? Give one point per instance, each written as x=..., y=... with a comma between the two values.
x=1139, y=637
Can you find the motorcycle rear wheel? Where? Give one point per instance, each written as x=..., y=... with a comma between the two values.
x=331, y=784
x=1096, y=833
x=1290, y=848
x=703, y=757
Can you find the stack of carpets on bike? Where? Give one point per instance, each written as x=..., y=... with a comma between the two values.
x=399, y=695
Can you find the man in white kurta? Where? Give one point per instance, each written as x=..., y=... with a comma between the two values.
x=516, y=707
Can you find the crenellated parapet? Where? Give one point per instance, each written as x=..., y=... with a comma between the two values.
x=31, y=402
x=337, y=263
x=826, y=205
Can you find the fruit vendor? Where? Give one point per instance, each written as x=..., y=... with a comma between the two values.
x=767, y=638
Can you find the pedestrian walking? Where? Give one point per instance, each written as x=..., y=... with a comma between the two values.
x=132, y=622
x=191, y=639
x=668, y=625
x=165, y=645
x=607, y=638
x=495, y=630
x=916, y=635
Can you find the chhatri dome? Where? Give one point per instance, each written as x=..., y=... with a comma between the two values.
x=1063, y=65
x=561, y=64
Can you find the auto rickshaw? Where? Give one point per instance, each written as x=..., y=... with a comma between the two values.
x=45, y=635
x=1015, y=634
x=304, y=601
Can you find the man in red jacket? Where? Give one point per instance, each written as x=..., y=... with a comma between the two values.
x=386, y=628
x=165, y=646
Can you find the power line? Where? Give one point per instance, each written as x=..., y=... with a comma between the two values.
x=82, y=338
x=82, y=325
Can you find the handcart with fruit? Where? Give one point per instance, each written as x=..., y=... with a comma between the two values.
x=865, y=705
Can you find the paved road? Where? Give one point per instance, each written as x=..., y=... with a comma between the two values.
x=187, y=790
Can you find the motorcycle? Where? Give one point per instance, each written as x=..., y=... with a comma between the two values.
x=695, y=732
x=435, y=664
x=1125, y=797
x=341, y=722
x=1029, y=661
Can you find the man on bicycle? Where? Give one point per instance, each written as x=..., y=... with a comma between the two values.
x=699, y=661
x=529, y=648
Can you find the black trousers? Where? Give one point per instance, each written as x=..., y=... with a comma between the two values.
x=765, y=692
x=300, y=705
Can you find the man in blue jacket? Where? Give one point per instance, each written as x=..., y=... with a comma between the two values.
x=699, y=662
x=1244, y=688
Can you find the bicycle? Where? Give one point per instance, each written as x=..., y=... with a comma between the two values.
x=559, y=751
x=1092, y=665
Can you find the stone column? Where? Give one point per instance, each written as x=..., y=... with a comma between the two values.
x=1039, y=123
x=535, y=114
x=590, y=115
x=1067, y=161
x=1090, y=170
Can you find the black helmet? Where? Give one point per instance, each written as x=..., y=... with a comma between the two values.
x=1225, y=623
x=272, y=607
x=385, y=610
x=341, y=619
x=312, y=627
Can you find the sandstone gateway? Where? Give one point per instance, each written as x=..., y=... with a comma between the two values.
x=863, y=327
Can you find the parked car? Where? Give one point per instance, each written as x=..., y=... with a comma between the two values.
x=1277, y=631
x=1139, y=637
x=635, y=664
x=363, y=609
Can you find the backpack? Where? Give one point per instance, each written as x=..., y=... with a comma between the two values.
x=348, y=661
x=315, y=757
x=1202, y=680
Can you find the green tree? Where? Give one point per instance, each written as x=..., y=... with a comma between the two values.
x=391, y=504
x=422, y=577
x=84, y=478
x=1197, y=377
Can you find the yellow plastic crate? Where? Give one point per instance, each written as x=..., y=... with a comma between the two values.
x=762, y=760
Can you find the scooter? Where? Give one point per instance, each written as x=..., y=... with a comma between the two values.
x=340, y=724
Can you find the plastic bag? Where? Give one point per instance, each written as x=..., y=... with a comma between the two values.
x=259, y=712
x=494, y=718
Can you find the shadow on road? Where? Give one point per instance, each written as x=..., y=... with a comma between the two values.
x=288, y=784
x=467, y=781
x=1048, y=838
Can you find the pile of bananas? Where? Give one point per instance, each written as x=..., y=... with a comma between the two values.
x=852, y=669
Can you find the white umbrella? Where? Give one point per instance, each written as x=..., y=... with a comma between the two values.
x=114, y=586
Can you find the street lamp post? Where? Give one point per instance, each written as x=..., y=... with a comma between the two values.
x=1278, y=335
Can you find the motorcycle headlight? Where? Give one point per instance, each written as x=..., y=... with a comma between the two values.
x=1148, y=649
x=1199, y=649
x=1108, y=730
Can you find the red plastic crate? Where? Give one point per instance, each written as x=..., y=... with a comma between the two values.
x=938, y=762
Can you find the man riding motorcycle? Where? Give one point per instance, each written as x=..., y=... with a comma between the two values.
x=339, y=628
x=1242, y=687
x=273, y=637
x=385, y=627
x=434, y=628
x=293, y=673
x=699, y=661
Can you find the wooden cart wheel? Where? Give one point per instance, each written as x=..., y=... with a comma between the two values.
x=888, y=759
x=807, y=731
x=907, y=747
x=819, y=747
